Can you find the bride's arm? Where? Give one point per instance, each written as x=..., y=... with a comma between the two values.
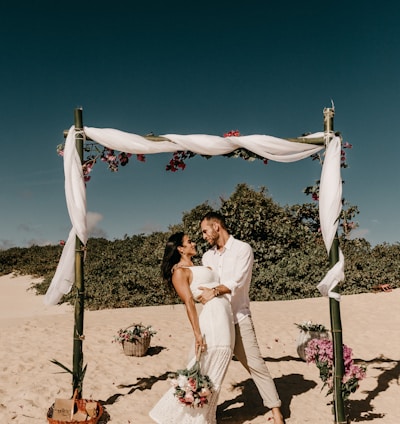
x=181, y=282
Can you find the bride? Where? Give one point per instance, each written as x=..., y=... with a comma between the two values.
x=213, y=330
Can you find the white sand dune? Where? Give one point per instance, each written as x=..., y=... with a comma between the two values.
x=32, y=334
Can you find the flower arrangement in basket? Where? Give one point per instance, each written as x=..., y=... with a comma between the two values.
x=135, y=339
x=192, y=388
x=320, y=351
x=309, y=331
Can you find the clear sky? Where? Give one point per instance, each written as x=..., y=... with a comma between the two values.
x=194, y=67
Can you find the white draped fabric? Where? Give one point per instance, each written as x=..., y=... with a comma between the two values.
x=269, y=147
x=330, y=205
x=266, y=146
x=75, y=194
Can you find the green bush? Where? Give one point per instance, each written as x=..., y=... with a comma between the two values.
x=290, y=256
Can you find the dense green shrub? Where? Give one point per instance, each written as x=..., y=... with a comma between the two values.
x=290, y=256
x=38, y=261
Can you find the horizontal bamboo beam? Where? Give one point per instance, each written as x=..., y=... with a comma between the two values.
x=305, y=140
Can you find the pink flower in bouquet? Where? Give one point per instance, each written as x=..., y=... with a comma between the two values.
x=205, y=392
x=189, y=398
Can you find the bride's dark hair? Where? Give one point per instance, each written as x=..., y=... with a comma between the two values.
x=171, y=256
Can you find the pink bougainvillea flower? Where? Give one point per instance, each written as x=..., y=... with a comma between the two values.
x=320, y=351
x=232, y=133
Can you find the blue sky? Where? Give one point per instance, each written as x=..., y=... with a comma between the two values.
x=193, y=67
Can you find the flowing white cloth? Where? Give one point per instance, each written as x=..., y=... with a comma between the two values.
x=330, y=196
x=75, y=194
x=264, y=145
x=269, y=147
x=330, y=205
x=332, y=278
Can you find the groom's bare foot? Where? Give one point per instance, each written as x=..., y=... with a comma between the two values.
x=276, y=420
x=277, y=417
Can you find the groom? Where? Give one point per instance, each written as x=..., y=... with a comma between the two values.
x=233, y=260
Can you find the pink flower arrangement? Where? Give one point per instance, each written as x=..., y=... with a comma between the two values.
x=114, y=159
x=178, y=160
x=320, y=351
x=132, y=333
x=106, y=155
x=192, y=388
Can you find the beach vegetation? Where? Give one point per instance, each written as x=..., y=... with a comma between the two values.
x=290, y=256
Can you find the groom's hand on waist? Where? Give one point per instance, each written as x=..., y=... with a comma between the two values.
x=206, y=295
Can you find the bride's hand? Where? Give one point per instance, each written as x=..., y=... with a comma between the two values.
x=201, y=343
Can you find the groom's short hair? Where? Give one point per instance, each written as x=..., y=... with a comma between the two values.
x=215, y=216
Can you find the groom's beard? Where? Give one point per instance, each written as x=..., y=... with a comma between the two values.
x=213, y=239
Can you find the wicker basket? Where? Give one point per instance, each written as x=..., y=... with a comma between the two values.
x=138, y=347
x=303, y=339
x=81, y=404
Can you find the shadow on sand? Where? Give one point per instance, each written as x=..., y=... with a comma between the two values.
x=248, y=405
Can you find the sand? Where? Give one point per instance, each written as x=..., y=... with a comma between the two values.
x=33, y=334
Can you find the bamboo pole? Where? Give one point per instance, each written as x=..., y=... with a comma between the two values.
x=77, y=370
x=334, y=306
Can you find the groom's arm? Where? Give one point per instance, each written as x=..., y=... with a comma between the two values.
x=209, y=294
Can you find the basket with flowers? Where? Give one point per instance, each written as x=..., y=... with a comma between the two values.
x=135, y=339
x=309, y=331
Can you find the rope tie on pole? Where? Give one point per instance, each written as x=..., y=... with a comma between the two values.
x=80, y=132
x=79, y=336
x=83, y=250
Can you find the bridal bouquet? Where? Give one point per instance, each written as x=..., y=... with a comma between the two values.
x=192, y=388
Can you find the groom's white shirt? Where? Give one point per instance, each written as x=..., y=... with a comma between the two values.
x=234, y=266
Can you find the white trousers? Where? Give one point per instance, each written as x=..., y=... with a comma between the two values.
x=248, y=353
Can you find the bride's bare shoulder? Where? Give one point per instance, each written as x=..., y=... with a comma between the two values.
x=180, y=268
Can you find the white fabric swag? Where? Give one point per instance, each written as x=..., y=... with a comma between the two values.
x=269, y=147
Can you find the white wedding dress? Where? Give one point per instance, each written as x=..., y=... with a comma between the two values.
x=216, y=323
